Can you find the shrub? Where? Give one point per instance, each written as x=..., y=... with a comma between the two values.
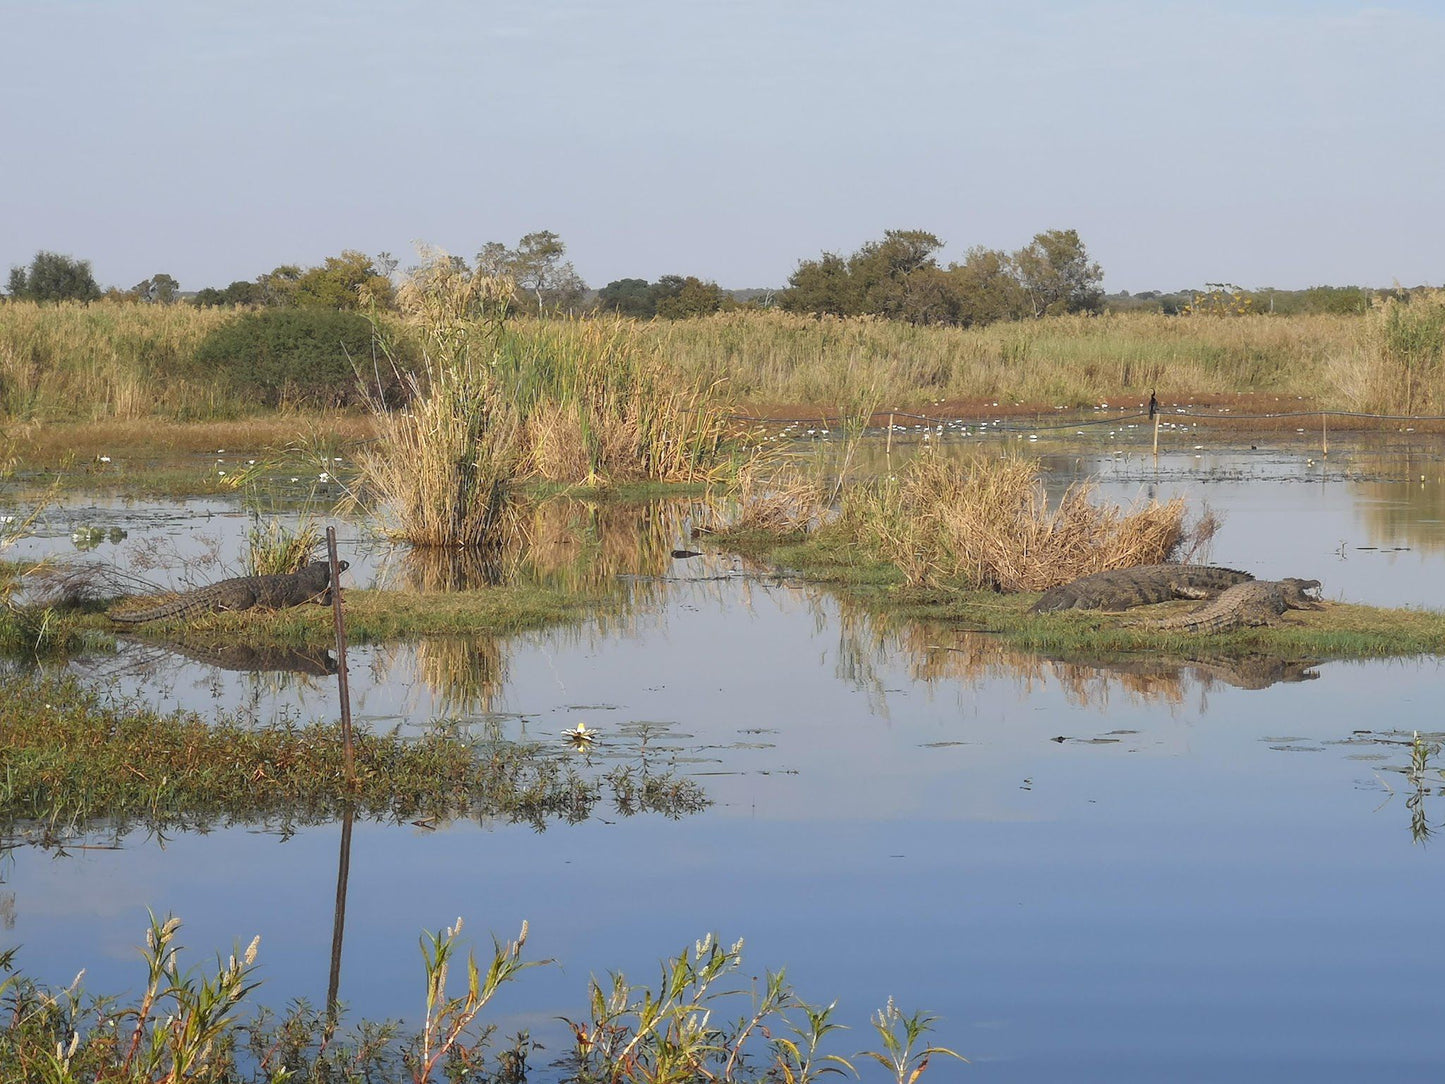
x=295, y=357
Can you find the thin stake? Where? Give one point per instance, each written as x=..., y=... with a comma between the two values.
x=338, y=919
x=342, y=687
x=1325, y=423
x=1154, y=413
x=889, y=448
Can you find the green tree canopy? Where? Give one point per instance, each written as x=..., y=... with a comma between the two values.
x=1057, y=274
x=159, y=289
x=545, y=281
x=679, y=297
x=240, y=292
x=53, y=277
x=629, y=297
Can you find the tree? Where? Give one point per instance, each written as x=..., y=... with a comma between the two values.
x=987, y=289
x=344, y=282
x=159, y=289
x=53, y=277
x=821, y=287
x=679, y=297
x=896, y=277
x=1057, y=275
x=628, y=297
x=240, y=292
x=542, y=276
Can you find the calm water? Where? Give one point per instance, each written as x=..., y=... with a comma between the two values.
x=1204, y=880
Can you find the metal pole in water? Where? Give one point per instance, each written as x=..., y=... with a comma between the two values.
x=1154, y=413
x=1325, y=424
x=342, y=687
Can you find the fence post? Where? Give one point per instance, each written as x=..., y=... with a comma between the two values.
x=343, y=689
x=1154, y=413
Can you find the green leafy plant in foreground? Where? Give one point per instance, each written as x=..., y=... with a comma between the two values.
x=188, y=1025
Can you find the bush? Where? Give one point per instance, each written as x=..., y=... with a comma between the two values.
x=297, y=357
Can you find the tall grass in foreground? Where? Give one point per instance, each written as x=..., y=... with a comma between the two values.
x=193, y=1025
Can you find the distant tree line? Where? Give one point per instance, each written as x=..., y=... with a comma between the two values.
x=898, y=277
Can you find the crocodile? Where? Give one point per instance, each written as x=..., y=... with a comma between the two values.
x=1121, y=588
x=1258, y=602
x=309, y=584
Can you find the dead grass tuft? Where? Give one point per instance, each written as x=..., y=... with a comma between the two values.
x=988, y=523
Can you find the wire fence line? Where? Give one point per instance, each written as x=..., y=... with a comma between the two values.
x=1005, y=425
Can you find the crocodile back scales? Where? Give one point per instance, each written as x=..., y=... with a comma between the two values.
x=274, y=592
x=1142, y=585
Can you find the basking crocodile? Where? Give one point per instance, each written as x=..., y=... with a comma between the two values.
x=1258, y=602
x=310, y=584
x=1121, y=588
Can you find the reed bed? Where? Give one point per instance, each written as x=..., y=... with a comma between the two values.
x=601, y=404
x=1397, y=365
x=107, y=360
x=1064, y=360
x=128, y=360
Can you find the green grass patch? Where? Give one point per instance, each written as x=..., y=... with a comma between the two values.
x=77, y=761
x=370, y=616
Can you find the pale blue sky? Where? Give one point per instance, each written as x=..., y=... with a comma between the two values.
x=1264, y=143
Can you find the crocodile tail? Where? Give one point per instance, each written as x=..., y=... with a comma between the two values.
x=175, y=608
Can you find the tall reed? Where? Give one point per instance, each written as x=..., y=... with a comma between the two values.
x=1398, y=364
x=439, y=471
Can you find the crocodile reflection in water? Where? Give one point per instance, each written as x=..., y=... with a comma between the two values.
x=250, y=658
x=1089, y=682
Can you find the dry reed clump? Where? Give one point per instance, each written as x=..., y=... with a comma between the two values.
x=988, y=523
x=571, y=401
x=772, y=498
x=439, y=471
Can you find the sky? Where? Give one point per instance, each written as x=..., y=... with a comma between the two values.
x=1274, y=143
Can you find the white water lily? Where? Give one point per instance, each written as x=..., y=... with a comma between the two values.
x=582, y=737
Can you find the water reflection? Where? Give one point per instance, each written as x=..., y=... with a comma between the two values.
x=563, y=543
x=937, y=653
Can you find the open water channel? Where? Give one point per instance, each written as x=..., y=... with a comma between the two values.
x=1215, y=874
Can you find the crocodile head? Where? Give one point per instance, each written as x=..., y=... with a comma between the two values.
x=1300, y=594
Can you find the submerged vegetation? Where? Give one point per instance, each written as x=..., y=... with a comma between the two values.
x=79, y=763
x=195, y=1025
